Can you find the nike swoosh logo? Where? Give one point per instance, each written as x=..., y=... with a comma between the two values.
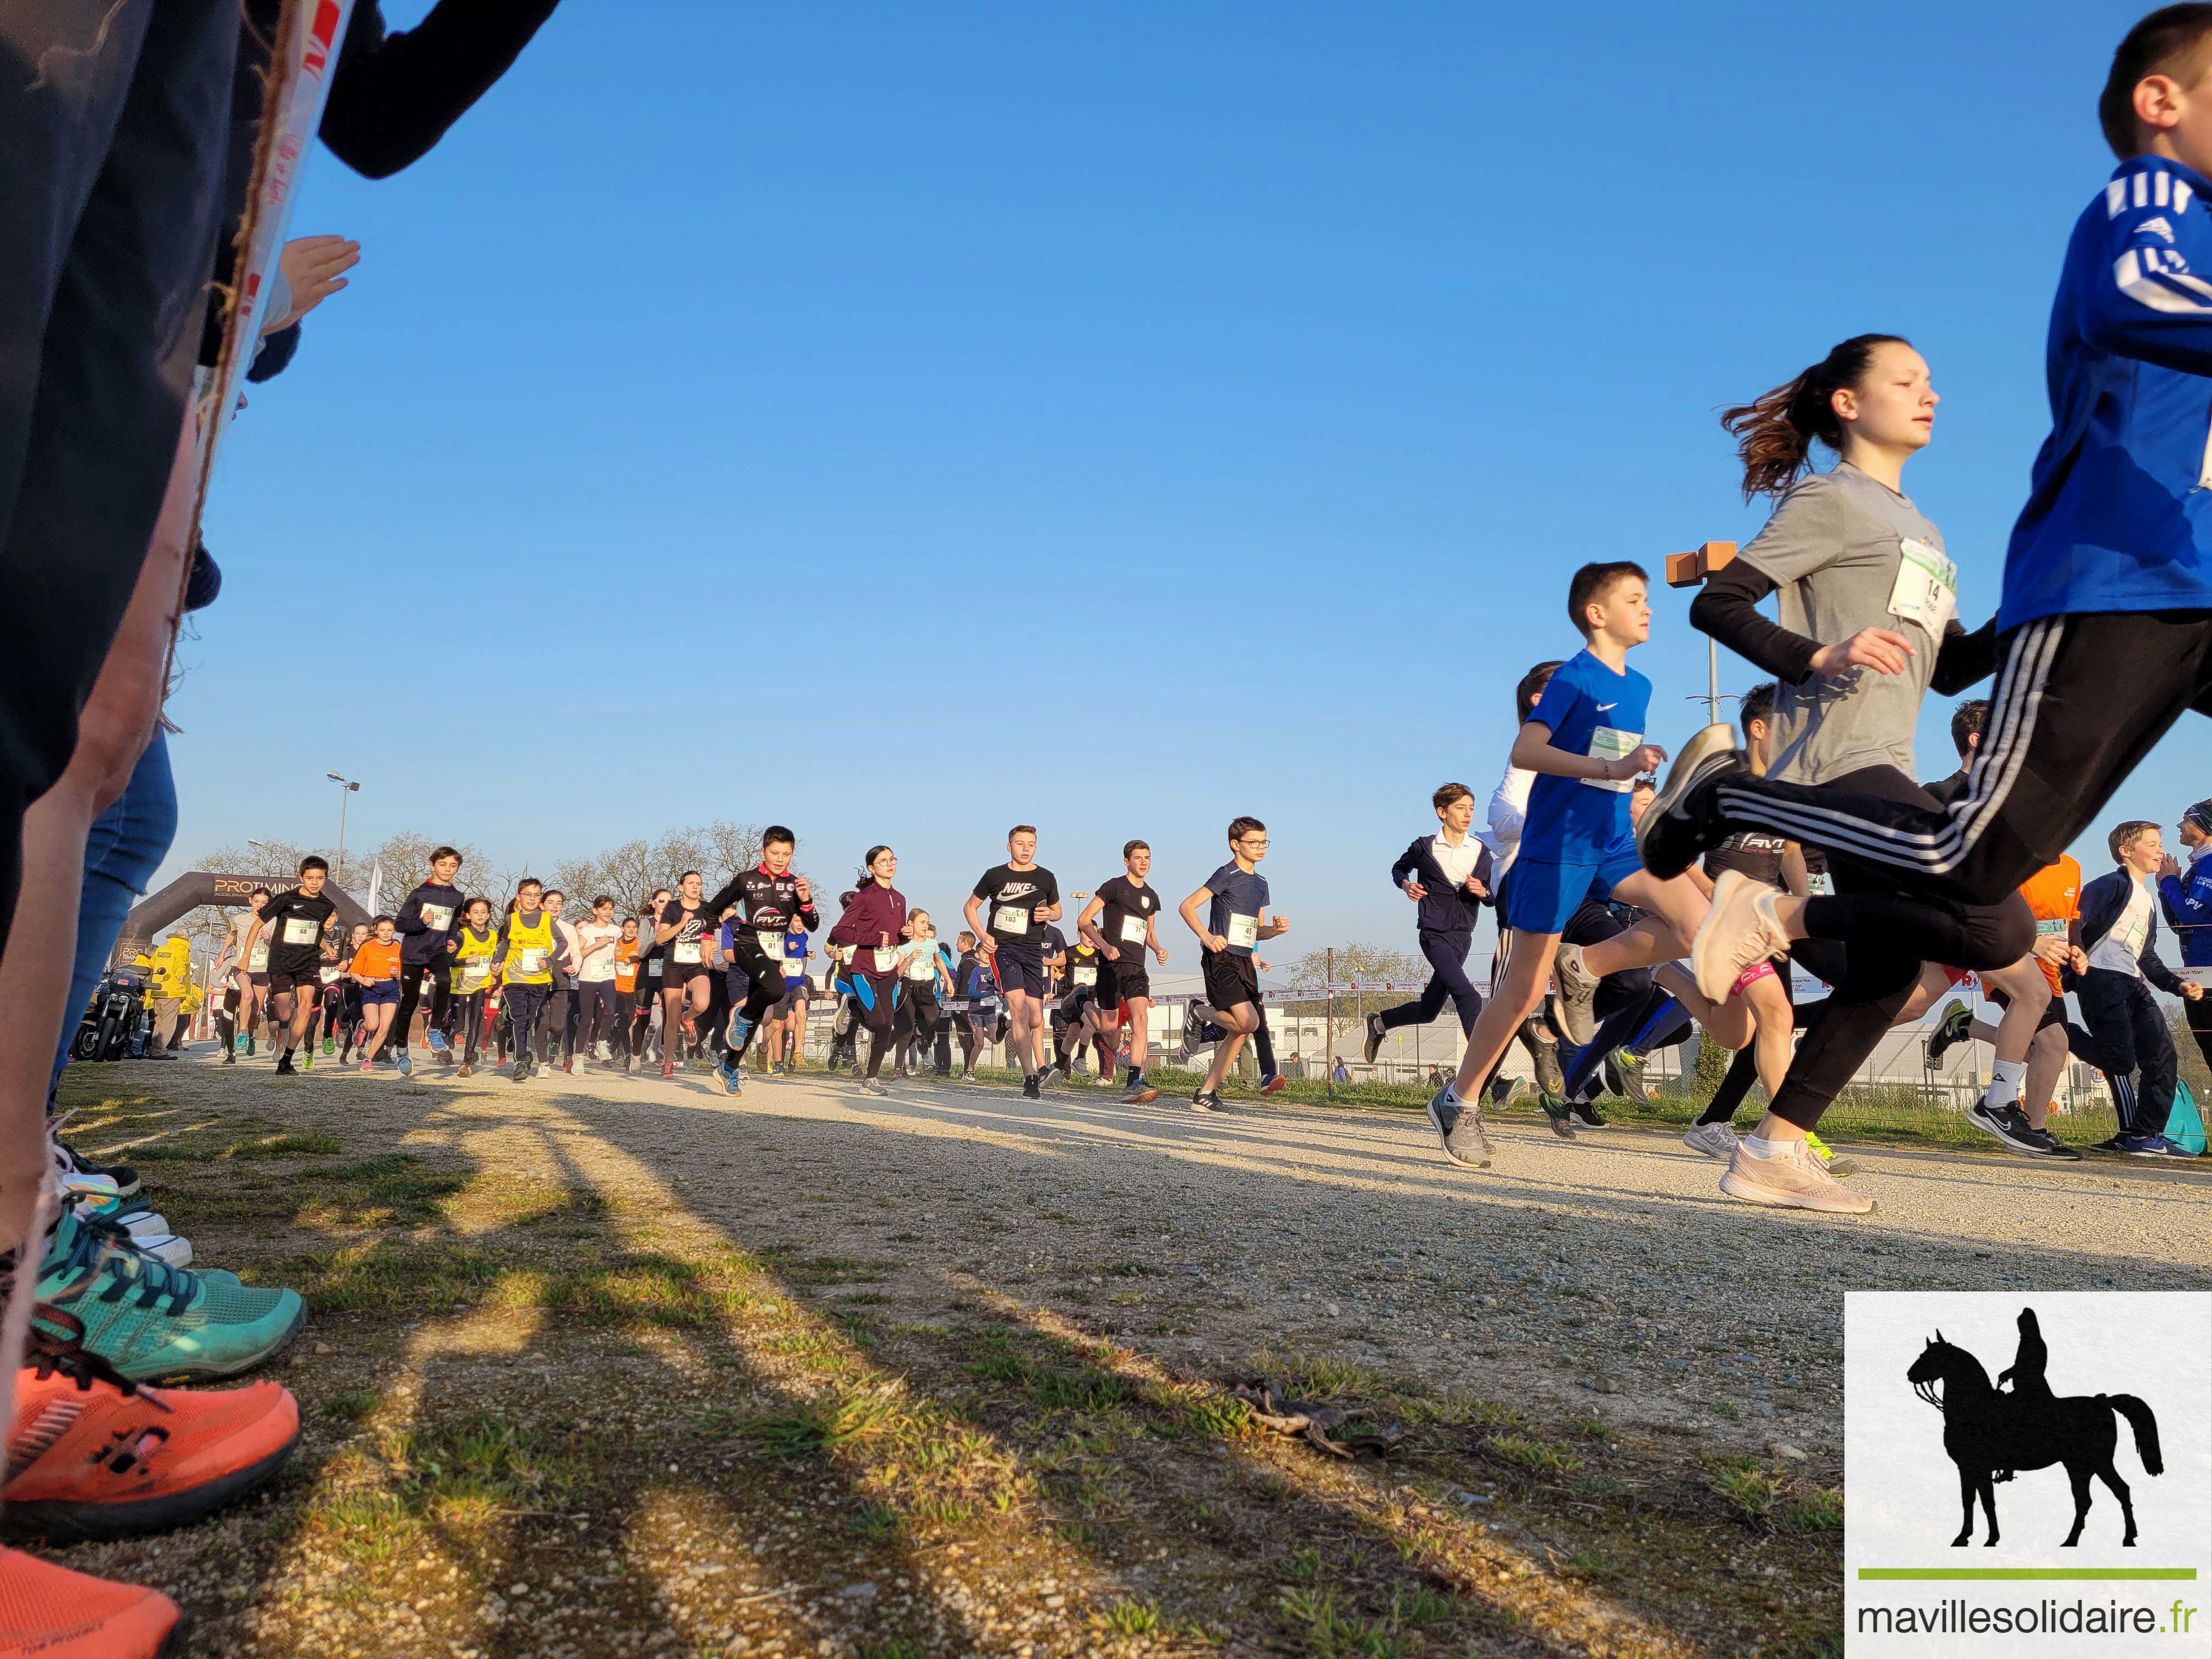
x=1603, y=707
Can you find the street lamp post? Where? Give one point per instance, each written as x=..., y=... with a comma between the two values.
x=346, y=787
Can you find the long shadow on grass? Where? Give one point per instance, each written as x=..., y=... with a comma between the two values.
x=688, y=1449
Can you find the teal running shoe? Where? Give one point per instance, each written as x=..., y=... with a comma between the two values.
x=155, y=1323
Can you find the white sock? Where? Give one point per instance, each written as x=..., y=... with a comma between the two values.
x=1761, y=1148
x=2005, y=1078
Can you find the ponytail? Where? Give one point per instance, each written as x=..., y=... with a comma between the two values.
x=1774, y=432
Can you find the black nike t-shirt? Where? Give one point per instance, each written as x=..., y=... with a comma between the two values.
x=293, y=924
x=1012, y=899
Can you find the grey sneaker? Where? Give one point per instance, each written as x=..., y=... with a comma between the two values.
x=1793, y=1179
x=873, y=1086
x=1739, y=932
x=1373, y=1037
x=1716, y=1141
x=1458, y=1124
x=1573, y=1009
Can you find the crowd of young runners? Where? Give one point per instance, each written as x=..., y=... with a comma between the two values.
x=1806, y=838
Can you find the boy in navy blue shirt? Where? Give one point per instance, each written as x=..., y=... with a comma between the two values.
x=2106, y=623
x=1584, y=741
x=1236, y=898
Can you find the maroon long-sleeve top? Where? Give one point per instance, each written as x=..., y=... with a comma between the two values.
x=876, y=913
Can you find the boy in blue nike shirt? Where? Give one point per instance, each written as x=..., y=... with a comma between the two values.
x=2106, y=623
x=1584, y=741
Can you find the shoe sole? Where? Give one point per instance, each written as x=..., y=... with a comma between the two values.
x=1681, y=775
x=1731, y=882
x=1773, y=1200
x=1145, y=1099
x=60, y=1522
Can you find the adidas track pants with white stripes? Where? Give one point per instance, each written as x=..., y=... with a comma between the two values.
x=2080, y=701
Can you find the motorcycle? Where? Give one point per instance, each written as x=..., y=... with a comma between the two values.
x=118, y=1022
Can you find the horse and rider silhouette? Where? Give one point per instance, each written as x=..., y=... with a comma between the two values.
x=1990, y=1433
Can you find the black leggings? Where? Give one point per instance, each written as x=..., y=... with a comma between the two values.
x=763, y=988
x=410, y=989
x=2080, y=701
x=1447, y=954
x=882, y=1019
x=916, y=1022
x=599, y=1013
x=470, y=1010
x=1887, y=939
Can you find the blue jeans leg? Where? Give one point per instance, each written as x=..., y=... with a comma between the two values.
x=127, y=844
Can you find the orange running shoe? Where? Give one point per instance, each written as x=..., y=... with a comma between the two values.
x=51, y=1613
x=91, y=1455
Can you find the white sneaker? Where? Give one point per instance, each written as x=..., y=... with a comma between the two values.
x=1739, y=931
x=601, y=1051
x=1714, y=1140
x=1793, y=1179
x=170, y=1247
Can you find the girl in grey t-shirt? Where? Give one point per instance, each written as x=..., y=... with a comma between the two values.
x=1868, y=624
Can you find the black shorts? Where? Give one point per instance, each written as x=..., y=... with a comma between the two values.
x=309, y=979
x=2054, y=1013
x=678, y=976
x=1020, y=964
x=1131, y=978
x=1229, y=980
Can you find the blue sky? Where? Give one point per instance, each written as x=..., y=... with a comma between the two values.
x=902, y=422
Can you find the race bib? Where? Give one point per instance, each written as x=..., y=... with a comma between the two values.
x=257, y=960
x=771, y=945
x=473, y=975
x=652, y=969
x=1133, y=930
x=1926, y=587
x=1244, y=929
x=1010, y=919
x=922, y=966
x=956, y=1004
x=1819, y=884
x=1085, y=976
x=884, y=960
x=1610, y=744
x=2047, y=927
x=437, y=917
x=686, y=953
x=330, y=974
x=527, y=961
x=301, y=930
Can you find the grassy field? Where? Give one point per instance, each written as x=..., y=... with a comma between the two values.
x=550, y=1410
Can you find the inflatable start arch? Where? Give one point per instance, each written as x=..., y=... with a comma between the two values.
x=188, y=893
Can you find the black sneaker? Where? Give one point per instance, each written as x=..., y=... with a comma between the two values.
x=1545, y=1053
x=1030, y=1089
x=1502, y=1089
x=2054, y=1147
x=2009, y=1125
x=284, y=1066
x=1373, y=1037
x=123, y=1174
x=2117, y=1142
x=1951, y=1030
x=1681, y=823
x=1583, y=1114
x=1560, y=1115
x=1206, y=1100
x=1458, y=1124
